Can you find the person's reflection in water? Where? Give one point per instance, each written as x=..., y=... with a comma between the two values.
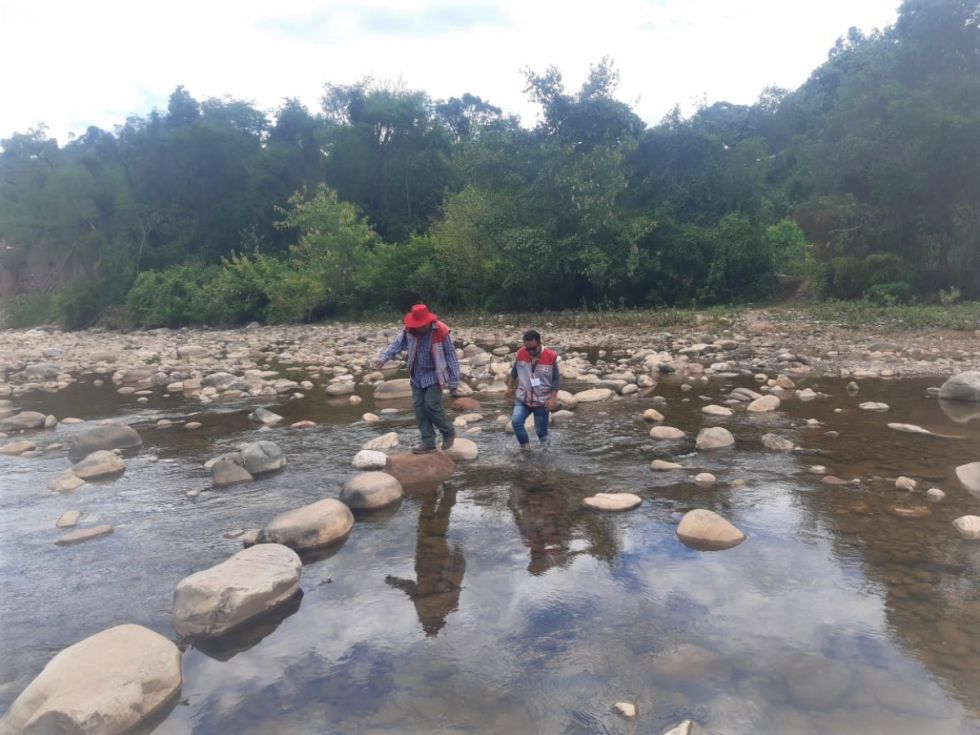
x=545, y=525
x=438, y=567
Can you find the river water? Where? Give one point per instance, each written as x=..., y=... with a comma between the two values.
x=493, y=604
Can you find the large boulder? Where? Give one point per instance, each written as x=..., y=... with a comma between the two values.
x=969, y=475
x=262, y=457
x=253, y=581
x=463, y=450
x=962, y=387
x=371, y=491
x=962, y=412
x=318, y=524
x=111, y=436
x=420, y=469
x=593, y=395
x=715, y=437
x=706, y=530
x=23, y=421
x=108, y=683
x=399, y=388
x=102, y=463
x=763, y=404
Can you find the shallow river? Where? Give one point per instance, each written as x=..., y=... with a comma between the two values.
x=495, y=605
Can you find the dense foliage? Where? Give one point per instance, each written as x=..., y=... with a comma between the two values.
x=865, y=181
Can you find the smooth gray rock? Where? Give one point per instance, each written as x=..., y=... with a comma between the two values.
x=317, y=524
x=23, y=421
x=262, y=457
x=111, y=436
x=225, y=473
x=391, y=389
x=962, y=387
x=714, y=437
x=100, y=464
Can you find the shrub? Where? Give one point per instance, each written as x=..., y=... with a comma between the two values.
x=172, y=297
x=30, y=309
x=889, y=294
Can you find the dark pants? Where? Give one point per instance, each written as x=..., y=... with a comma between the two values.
x=427, y=403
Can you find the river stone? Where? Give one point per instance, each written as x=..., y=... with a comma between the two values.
x=962, y=387
x=666, y=432
x=40, y=371
x=23, y=421
x=420, y=469
x=225, y=473
x=390, y=389
x=715, y=437
x=593, y=395
x=763, y=405
x=371, y=491
x=107, y=683
x=962, y=412
x=340, y=388
x=566, y=400
x=935, y=495
x=705, y=479
x=713, y=410
x=625, y=709
x=969, y=475
x=807, y=394
x=370, y=418
x=265, y=417
x=191, y=351
x=968, y=527
x=17, y=447
x=652, y=414
x=464, y=404
x=463, y=450
x=250, y=583
x=660, y=465
x=369, y=459
x=102, y=463
x=706, y=530
x=317, y=524
x=777, y=443
x=111, y=436
x=906, y=484
x=684, y=728
x=85, y=534
x=68, y=519
x=66, y=482
x=612, y=501
x=262, y=457
x=385, y=441
x=873, y=406
x=218, y=381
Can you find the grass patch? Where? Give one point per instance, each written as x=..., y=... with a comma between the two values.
x=864, y=314
x=29, y=310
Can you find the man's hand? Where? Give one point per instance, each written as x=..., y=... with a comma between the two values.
x=508, y=394
x=552, y=402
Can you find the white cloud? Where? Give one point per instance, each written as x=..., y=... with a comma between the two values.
x=73, y=64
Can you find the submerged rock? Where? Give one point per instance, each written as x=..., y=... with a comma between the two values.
x=265, y=417
x=969, y=475
x=250, y=583
x=16, y=448
x=66, y=482
x=660, y=465
x=107, y=683
x=23, y=421
x=776, y=443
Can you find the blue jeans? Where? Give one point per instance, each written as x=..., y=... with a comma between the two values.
x=521, y=412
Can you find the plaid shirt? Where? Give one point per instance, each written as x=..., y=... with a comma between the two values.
x=423, y=372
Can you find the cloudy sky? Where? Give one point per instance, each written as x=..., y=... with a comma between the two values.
x=72, y=64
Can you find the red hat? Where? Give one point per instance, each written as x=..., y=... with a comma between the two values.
x=419, y=317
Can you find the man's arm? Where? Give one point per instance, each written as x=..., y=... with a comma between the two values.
x=452, y=363
x=555, y=387
x=393, y=349
x=511, y=382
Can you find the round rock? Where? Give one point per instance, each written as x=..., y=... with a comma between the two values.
x=594, y=395
x=714, y=437
x=317, y=524
x=463, y=450
x=262, y=457
x=369, y=459
x=969, y=475
x=371, y=491
x=102, y=463
x=962, y=387
x=107, y=683
x=763, y=405
x=225, y=473
x=666, y=432
x=707, y=531
x=391, y=389
x=777, y=443
x=968, y=527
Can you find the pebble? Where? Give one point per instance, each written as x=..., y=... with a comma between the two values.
x=625, y=709
x=705, y=479
x=68, y=519
x=192, y=425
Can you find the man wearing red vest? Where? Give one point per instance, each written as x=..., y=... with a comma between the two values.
x=432, y=365
x=534, y=382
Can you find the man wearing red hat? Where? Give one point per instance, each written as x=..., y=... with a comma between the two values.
x=432, y=365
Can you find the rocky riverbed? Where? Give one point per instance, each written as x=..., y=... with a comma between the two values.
x=762, y=526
